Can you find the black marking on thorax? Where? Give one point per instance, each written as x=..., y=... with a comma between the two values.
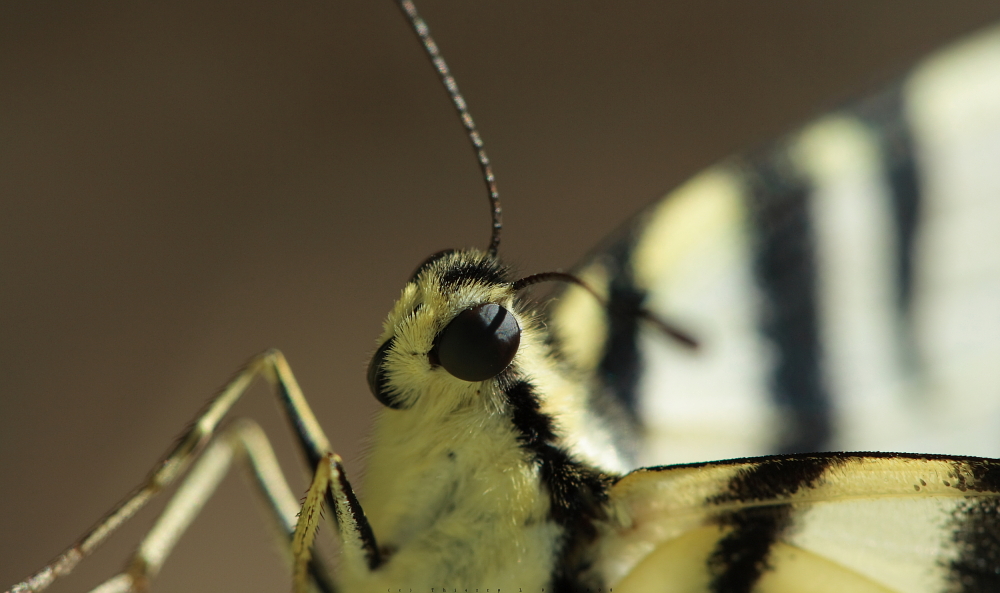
x=577, y=492
x=486, y=270
x=429, y=262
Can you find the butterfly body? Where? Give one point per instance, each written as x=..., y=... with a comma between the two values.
x=504, y=495
x=485, y=483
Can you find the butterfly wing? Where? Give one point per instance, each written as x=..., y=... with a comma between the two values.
x=806, y=523
x=843, y=283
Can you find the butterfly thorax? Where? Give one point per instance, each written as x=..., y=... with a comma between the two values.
x=477, y=483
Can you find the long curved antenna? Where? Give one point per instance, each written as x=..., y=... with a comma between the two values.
x=672, y=331
x=423, y=33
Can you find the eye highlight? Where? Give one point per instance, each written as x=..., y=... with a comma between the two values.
x=478, y=344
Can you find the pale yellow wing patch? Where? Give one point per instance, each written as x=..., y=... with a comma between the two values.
x=806, y=523
x=678, y=567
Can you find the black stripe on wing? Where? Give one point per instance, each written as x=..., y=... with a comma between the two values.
x=785, y=269
x=620, y=366
x=786, y=265
x=885, y=114
x=896, y=522
x=976, y=533
x=741, y=557
x=779, y=197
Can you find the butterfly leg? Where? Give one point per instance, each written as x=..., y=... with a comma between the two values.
x=245, y=442
x=273, y=366
x=357, y=542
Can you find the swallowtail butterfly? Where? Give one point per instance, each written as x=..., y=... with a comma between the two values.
x=89, y=54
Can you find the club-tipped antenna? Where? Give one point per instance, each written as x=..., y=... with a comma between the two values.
x=420, y=28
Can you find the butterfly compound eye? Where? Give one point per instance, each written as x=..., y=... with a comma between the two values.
x=377, y=380
x=479, y=343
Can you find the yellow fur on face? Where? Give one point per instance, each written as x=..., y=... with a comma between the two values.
x=449, y=491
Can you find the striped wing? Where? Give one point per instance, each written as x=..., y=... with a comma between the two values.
x=845, y=284
x=806, y=524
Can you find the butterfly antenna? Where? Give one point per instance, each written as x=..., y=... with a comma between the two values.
x=671, y=330
x=420, y=28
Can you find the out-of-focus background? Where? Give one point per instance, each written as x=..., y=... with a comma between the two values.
x=185, y=185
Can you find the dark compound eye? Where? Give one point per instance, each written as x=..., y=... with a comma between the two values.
x=377, y=381
x=478, y=344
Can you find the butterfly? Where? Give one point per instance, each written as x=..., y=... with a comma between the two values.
x=211, y=375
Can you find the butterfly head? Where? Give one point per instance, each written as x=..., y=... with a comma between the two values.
x=458, y=326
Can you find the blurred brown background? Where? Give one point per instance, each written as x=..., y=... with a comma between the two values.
x=187, y=184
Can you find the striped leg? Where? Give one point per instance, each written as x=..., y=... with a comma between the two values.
x=357, y=542
x=273, y=366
